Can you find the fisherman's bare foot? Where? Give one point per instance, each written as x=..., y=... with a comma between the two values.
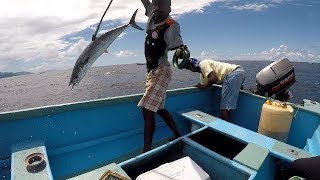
x=146, y=148
x=174, y=138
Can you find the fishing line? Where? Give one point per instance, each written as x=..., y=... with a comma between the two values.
x=94, y=36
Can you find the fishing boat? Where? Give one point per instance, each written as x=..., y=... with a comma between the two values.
x=99, y=138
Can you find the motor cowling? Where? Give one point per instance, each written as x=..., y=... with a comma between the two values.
x=275, y=79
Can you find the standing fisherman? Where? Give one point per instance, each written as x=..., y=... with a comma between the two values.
x=162, y=35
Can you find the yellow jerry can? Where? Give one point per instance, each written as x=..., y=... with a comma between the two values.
x=275, y=120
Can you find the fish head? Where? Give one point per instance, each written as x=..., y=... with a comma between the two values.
x=87, y=58
x=80, y=68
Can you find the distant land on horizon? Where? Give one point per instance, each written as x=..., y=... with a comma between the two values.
x=10, y=74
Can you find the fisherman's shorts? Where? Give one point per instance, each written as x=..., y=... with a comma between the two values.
x=231, y=87
x=157, y=83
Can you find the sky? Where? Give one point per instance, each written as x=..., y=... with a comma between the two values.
x=43, y=35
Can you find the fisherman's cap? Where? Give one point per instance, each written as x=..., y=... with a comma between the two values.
x=195, y=63
x=162, y=2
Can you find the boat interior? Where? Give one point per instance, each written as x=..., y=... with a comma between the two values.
x=89, y=139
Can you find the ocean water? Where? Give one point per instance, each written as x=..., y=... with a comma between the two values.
x=51, y=88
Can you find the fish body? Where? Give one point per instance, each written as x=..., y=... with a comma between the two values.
x=95, y=49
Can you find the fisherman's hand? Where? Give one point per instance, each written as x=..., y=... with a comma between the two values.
x=180, y=50
x=200, y=86
x=179, y=53
x=145, y=3
x=185, y=47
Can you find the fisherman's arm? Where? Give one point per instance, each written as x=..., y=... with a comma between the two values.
x=179, y=50
x=212, y=79
x=146, y=4
x=180, y=47
x=173, y=38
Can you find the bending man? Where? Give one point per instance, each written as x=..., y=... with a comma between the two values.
x=230, y=76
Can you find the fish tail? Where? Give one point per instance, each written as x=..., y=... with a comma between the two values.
x=133, y=22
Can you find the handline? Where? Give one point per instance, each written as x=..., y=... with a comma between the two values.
x=95, y=34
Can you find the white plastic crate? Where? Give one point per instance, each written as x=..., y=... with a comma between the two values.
x=181, y=169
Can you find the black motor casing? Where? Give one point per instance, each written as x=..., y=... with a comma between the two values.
x=276, y=78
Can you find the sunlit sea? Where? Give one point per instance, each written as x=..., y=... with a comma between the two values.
x=51, y=88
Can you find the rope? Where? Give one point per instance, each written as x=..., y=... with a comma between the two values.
x=94, y=36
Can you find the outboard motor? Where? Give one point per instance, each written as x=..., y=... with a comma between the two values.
x=275, y=79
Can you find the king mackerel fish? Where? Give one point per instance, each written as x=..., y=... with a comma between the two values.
x=97, y=47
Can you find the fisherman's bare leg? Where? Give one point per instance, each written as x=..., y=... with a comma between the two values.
x=225, y=114
x=149, y=128
x=166, y=116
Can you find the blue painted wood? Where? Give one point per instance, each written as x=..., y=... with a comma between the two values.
x=303, y=126
x=217, y=165
x=268, y=169
x=18, y=166
x=313, y=144
x=76, y=136
x=248, y=111
x=86, y=135
x=279, y=149
x=212, y=163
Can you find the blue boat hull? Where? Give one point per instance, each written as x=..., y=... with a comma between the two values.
x=80, y=137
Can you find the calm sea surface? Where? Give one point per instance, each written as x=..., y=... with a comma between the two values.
x=50, y=88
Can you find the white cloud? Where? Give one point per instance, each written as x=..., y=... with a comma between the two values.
x=34, y=28
x=75, y=49
x=70, y=9
x=58, y=59
x=283, y=51
x=2, y=67
x=187, y=6
x=277, y=1
x=122, y=35
x=76, y=38
x=253, y=7
x=32, y=31
x=260, y=6
x=43, y=67
x=208, y=55
x=125, y=53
